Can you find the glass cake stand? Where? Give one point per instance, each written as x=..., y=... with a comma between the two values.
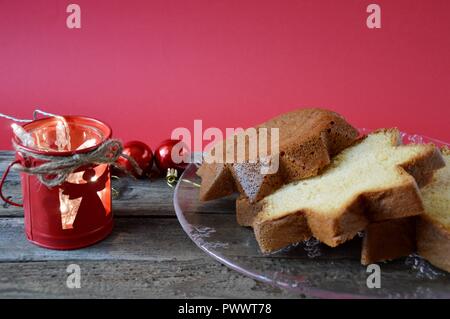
x=309, y=268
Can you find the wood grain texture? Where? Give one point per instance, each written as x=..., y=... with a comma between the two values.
x=133, y=279
x=148, y=255
x=142, y=258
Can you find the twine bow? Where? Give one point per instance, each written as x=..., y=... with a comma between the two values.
x=55, y=169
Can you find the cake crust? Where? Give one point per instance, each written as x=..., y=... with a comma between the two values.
x=294, y=228
x=387, y=240
x=433, y=232
x=217, y=181
x=433, y=242
x=246, y=211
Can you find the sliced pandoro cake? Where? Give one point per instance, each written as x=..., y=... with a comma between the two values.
x=371, y=181
x=433, y=227
x=308, y=138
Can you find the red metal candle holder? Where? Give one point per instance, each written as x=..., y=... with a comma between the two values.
x=76, y=213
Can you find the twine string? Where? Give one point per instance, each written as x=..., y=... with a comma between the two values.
x=55, y=169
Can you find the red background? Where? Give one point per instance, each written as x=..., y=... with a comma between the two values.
x=146, y=67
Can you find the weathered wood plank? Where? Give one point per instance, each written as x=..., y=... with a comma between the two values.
x=136, y=238
x=147, y=197
x=199, y=278
x=132, y=239
x=158, y=244
x=144, y=257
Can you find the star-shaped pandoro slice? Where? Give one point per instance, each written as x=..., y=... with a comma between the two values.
x=372, y=180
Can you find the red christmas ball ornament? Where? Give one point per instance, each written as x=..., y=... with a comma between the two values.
x=163, y=155
x=141, y=153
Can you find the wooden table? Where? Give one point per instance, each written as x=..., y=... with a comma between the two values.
x=148, y=255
